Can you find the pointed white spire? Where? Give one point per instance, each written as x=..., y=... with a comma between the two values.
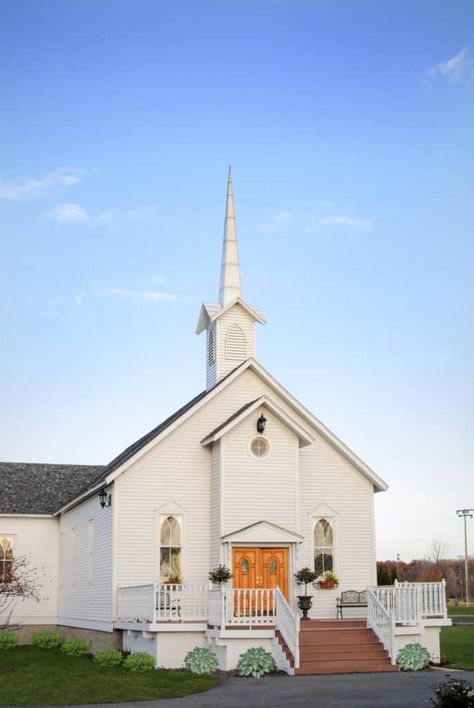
x=230, y=269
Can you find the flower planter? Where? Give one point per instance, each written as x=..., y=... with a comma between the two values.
x=305, y=603
x=326, y=585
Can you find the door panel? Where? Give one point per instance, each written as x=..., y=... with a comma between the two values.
x=260, y=568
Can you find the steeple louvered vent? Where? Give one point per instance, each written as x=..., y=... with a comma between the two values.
x=211, y=343
x=235, y=343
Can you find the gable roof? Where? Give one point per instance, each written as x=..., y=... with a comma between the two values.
x=145, y=443
x=305, y=438
x=211, y=311
x=31, y=488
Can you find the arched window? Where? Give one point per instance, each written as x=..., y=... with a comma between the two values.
x=235, y=343
x=323, y=547
x=6, y=559
x=170, y=549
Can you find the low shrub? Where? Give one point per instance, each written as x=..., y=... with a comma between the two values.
x=46, y=639
x=201, y=660
x=413, y=657
x=139, y=662
x=108, y=657
x=75, y=647
x=8, y=640
x=256, y=662
x=453, y=693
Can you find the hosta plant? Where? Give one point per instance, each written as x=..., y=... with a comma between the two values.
x=108, y=657
x=139, y=662
x=453, y=693
x=46, y=639
x=413, y=657
x=256, y=662
x=201, y=660
x=75, y=647
x=7, y=639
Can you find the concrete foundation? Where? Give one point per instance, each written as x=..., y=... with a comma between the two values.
x=96, y=638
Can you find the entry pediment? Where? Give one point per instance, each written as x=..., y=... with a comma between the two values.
x=262, y=532
x=304, y=436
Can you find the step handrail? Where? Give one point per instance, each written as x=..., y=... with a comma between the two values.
x=382, y=623
x=288, y=624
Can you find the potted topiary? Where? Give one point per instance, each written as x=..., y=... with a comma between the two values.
x=305, y=577
x=220, y=575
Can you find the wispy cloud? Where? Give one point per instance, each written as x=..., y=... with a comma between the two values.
x=137, y=296
x=62, y=177
x=144, y=213
x=347, y=222
x=67, y=213
x=281, y=218
x=456, y=69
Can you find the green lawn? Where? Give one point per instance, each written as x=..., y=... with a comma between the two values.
x=457, y=643
x=461, y=615
x=40, y=677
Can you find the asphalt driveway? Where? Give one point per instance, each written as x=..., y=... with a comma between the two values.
x=390, y=690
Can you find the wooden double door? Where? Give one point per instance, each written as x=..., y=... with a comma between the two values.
x=260, y=568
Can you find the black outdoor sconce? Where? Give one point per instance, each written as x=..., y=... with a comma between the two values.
x=104, y=498
x=261, y=424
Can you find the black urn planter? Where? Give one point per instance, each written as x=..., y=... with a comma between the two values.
x=305, y=603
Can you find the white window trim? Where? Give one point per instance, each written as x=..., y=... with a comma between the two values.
x=171, y=508
x=11, y=538
x=91, y=551
x=61, y=561
x=251, y=452
x=73, y=555
x=323, y=511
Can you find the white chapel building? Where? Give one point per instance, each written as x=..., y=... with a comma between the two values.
x=244, y=476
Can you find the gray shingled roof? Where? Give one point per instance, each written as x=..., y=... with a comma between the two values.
x=31, y=488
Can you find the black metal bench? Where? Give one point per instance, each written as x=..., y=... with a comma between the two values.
x=350, y=598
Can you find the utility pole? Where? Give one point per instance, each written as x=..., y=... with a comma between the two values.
x=464, y=514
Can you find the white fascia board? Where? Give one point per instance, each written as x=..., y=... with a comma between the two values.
x=82, y=497
x=304, y=436
x=206, y=314
x=238, y=301
x=26, y=516
x=379, y=484
x=212, y=393
x=345, y=451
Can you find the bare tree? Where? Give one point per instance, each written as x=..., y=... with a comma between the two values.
x=20, y=582
x=437, y=551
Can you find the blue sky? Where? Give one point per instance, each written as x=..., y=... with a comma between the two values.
x=349, y=127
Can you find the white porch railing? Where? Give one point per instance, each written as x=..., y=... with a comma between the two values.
x=288, y=624
x=163, y=603
x=411, y=602
x=381, y=621
x=250, y=606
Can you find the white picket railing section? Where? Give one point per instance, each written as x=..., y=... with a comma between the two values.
x=381, y=621
x=411, y=602
x=163, y=603
x=136, y=603
x=288, y=624
x=250, y=606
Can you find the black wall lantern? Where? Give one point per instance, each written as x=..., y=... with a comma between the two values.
x=261, y=424
x=104, y=498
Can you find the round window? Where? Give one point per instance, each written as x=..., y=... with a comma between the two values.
x=260, y=447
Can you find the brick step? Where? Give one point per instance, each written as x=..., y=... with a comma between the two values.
x=322, y=649
x=342, y=655
x=323, y=640
x=362, y=668
x=332, y=624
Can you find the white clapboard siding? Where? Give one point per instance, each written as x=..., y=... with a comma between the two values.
x=341, y=494
x=36, y=539
x=178, y=473
x=85, y=593
x=256, y=488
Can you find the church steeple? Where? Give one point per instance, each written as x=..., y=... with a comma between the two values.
x=230, y=268
x=230, y=323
